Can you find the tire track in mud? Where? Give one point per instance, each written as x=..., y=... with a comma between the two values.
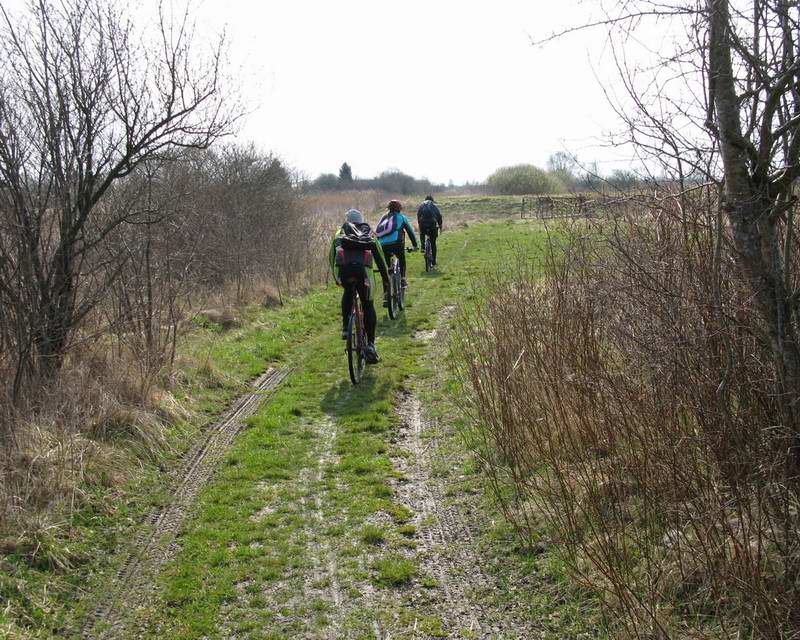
x=446, y=545
x=444, y=539
x=322, y=582
x=134, y=581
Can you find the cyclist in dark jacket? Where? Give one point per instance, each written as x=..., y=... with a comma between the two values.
x=429, y=219
x=391, y=232
x=354, y=265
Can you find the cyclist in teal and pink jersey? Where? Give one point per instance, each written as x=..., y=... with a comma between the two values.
x=391, y=232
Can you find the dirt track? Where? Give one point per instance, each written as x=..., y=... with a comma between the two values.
x=453, y=595
x=463, y=599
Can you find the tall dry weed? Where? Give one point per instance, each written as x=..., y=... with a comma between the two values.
x=332, y=205
x=75, y=439
x=624, y=402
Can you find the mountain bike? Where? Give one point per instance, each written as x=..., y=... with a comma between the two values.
x=356, y=345
x=428, y=249
x=397, y=294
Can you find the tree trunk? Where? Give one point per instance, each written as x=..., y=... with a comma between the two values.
x=750, y=208
x=55, y=317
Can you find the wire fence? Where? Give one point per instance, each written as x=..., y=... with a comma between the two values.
x=578, y=206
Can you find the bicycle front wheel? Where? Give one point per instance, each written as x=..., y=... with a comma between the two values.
x=392, y=306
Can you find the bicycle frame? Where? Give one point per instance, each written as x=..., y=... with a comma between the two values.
x=395, y=287
x=428, y=248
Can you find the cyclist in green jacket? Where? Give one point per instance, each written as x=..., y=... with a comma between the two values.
x=353, y=252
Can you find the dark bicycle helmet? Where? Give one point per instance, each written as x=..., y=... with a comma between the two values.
x=395, y=205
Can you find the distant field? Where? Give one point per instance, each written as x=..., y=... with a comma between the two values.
x=480, y=206
x=475, y=208
x=457, y=210
x=464, y=208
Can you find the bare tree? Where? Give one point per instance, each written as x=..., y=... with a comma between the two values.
x=148, y=298
x=85, y=97
x=723, y=107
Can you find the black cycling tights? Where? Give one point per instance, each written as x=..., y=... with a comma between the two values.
x=432, y=233
x=370, y=317
x=396, y=249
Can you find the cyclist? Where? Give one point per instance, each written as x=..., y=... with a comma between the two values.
x=429, y=219
x=391, y=232
x=353, y=251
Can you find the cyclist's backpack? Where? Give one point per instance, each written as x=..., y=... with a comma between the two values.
x=387, y=226
x=354, y=246
x=427, y=214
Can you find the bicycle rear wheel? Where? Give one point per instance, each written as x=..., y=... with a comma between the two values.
x=428, y=254
x=355, y=348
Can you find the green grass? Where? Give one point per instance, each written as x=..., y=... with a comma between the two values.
x=40, y=592
x=354, y=487
x=373, y=535
x=395, y=571
x=432, y=627
x=303, y=481
x=400, y=513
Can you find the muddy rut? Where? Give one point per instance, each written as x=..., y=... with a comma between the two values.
x=445, y=541
x=446, y=545
x=132, y=588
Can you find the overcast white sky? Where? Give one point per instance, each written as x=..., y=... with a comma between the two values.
x=445, y=89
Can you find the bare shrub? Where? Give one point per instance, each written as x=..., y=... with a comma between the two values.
x=717, y=101
x=85, y=99
x=627, y=403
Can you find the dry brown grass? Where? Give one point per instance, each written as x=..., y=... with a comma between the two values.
x=86, y=432
x=332, y=205
x=624, y=404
